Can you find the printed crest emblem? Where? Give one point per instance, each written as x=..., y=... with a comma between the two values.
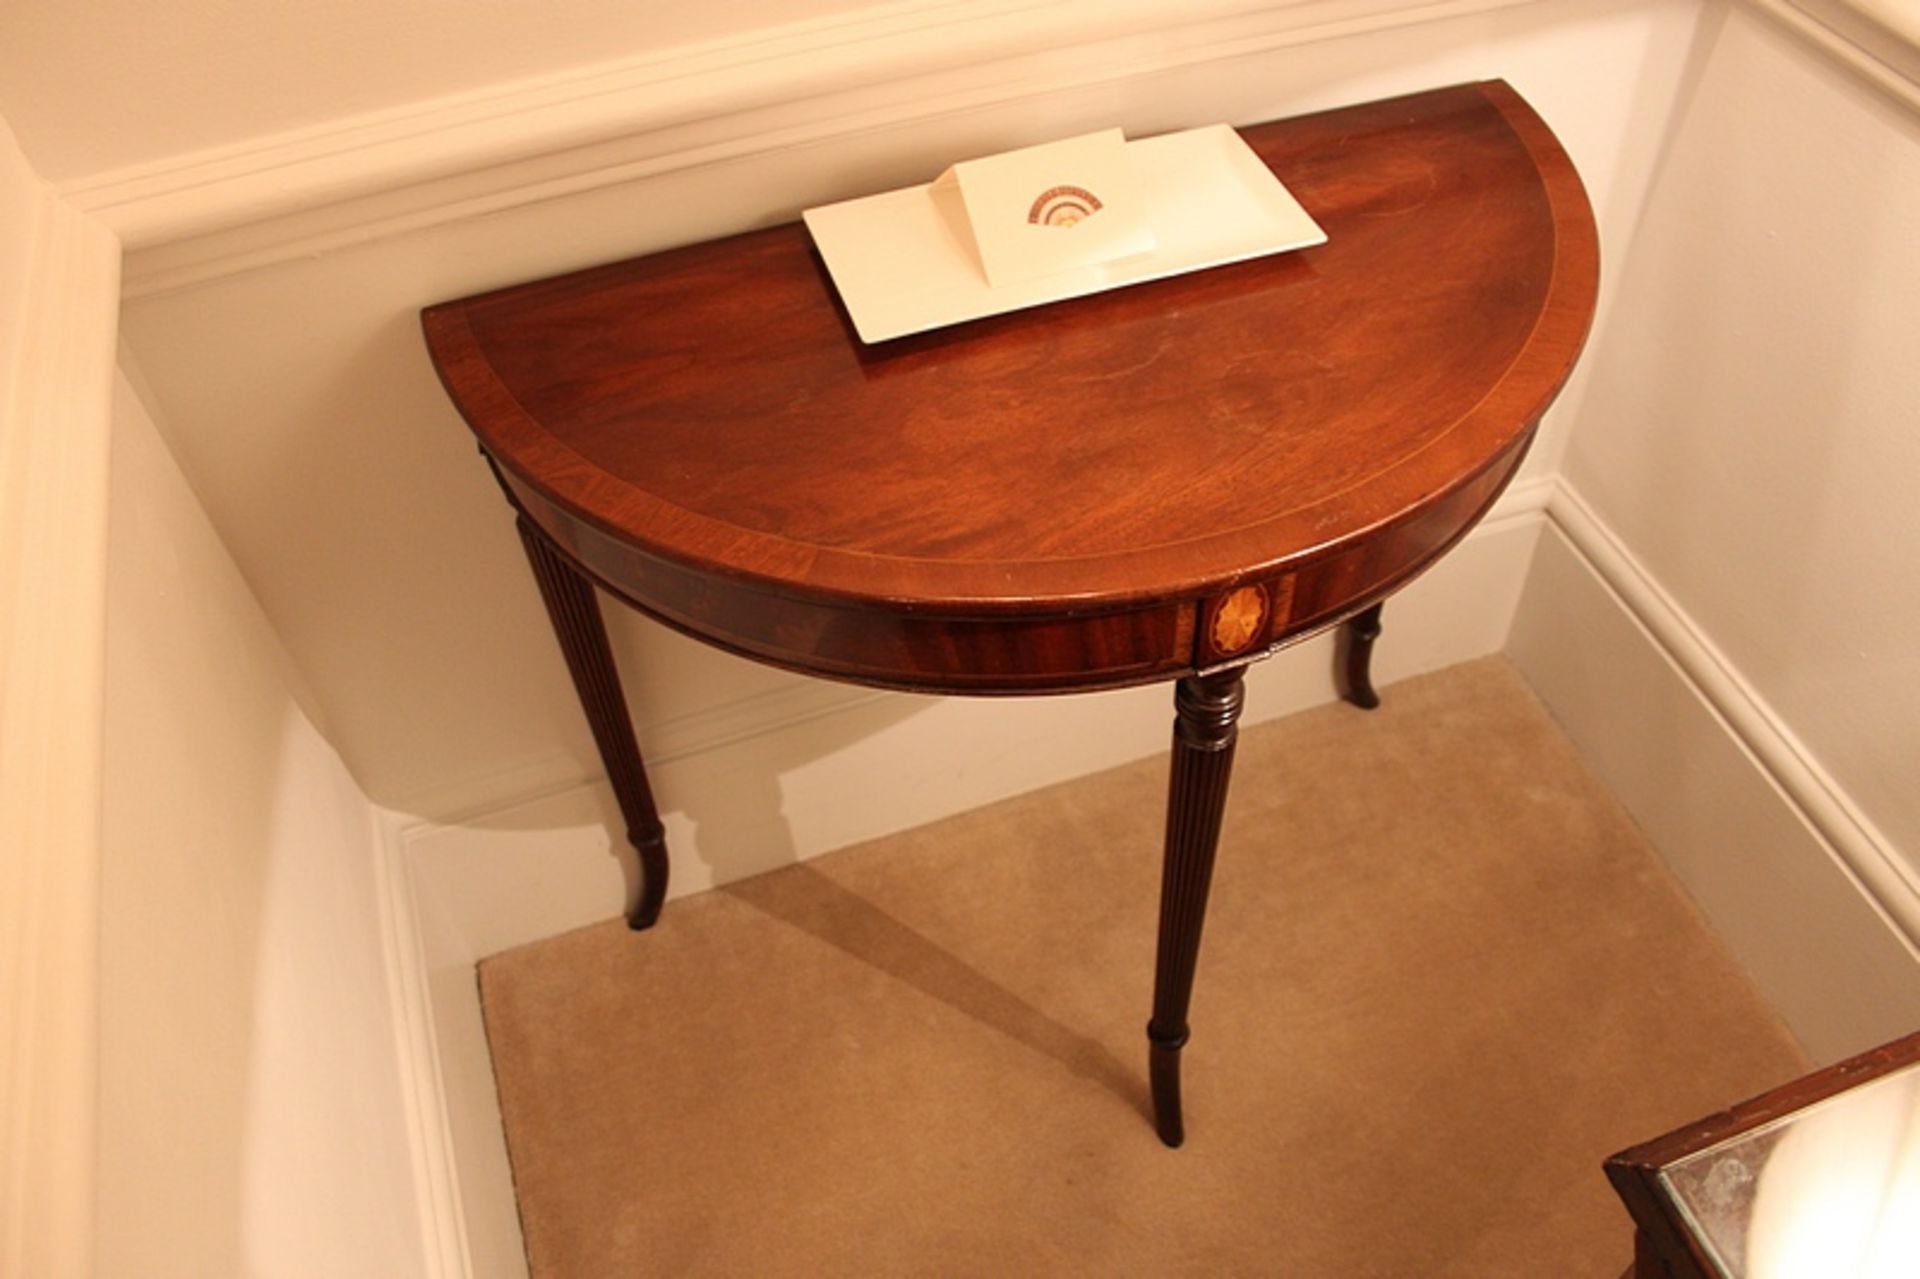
x=1063, y=206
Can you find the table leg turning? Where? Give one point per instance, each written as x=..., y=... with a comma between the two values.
x=575, y=614
x=1363, y=628
x=1204, y=731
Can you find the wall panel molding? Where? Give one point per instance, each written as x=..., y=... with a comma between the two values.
x=197, y=217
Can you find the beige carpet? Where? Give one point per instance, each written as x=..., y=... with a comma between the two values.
x=1442, y=979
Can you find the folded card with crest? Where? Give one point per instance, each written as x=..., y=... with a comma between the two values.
x=1051, y=222
x=1051, y=208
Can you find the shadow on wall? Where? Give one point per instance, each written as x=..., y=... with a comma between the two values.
x=246, y=1057
x=426, y=653
x=725, y=812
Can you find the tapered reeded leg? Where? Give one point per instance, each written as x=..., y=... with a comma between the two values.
x=575, y=614
x=1363, y=628
x=1204, y=731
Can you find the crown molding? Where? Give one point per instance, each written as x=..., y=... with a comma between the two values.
x=191, y=218
x=1878, y=41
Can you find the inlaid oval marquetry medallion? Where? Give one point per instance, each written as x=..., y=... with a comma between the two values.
x=1238, y=619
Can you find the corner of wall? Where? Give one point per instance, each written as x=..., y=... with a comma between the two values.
x=247, y=1063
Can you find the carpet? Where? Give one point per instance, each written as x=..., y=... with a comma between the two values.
x=1442, y=978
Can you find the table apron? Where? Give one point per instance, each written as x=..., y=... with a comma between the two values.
x=1057, y=651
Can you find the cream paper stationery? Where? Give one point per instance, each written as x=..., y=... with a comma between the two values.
x=1047, y=209
x=1050, y=222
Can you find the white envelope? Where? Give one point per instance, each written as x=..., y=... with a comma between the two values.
x=907, y=261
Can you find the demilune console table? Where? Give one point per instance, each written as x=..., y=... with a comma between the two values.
x=1166, y=482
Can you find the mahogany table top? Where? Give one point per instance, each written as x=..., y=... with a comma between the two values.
x=705, y=420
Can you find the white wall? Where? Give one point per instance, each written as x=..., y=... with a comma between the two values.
x=1755, y=435
x=1742, y=471
x=252, y=1116
x=58, y=281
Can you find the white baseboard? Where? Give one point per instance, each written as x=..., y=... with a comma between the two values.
x=1810, y=898
x=783, y=777
x=1804, y=892
x=417, y=1036
x=1765, y=842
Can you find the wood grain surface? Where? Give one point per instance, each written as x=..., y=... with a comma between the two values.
x=1060, y=497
